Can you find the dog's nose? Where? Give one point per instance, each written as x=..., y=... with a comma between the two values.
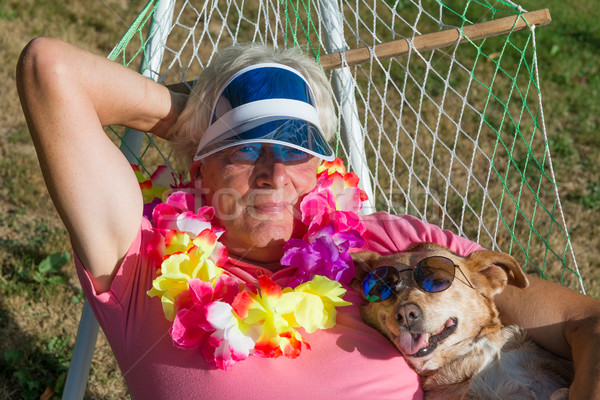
x=408, y=314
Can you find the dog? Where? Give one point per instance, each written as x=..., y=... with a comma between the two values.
x=437, y=308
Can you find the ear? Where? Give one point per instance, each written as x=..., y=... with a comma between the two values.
x=364, y=262
x=196, y=170
x=498, y=268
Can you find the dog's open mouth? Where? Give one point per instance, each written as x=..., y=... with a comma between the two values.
x=422, y=344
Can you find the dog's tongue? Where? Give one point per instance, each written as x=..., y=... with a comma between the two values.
x=411, y=343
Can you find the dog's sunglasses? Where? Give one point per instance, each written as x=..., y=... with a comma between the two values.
x=432, y=275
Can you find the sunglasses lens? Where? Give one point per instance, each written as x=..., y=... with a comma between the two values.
x=379, y=284
x=434, y=274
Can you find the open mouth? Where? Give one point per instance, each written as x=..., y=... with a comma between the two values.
x=422, y=344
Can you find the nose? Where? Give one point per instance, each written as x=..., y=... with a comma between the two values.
x=270, y=170
x=408, y=314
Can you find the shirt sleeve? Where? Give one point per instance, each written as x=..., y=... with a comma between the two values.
x=388, y=234
x=127, y=290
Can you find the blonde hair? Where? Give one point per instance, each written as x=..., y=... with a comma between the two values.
x=197, y=113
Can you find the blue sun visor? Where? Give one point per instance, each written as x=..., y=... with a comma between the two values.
x=265, y=103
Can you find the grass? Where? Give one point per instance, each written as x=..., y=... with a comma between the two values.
x=40, y=298
x=40, y=295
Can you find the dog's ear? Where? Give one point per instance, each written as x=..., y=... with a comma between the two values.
x=364, y=262
x=498, y=268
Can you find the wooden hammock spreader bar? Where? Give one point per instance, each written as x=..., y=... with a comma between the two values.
x=428, y=41
x=436, y=40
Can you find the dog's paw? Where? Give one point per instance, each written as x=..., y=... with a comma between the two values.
x=560, y=394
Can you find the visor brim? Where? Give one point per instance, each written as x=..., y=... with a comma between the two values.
x=295, y=133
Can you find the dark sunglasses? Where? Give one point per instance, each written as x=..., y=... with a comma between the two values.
x=432, y=275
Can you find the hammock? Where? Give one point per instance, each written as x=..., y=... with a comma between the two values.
x=440, y=108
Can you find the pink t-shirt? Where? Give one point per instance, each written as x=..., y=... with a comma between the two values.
x=349, y=361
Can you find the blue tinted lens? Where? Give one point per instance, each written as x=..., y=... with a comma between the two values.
x=379, y=284
x=290, y=154
x=246, y=153
x=251, y=153
x=434, y=274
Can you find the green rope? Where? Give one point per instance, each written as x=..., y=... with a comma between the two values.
x=135, y=27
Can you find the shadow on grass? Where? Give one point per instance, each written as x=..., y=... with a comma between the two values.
x=30, y=368
x=33, y=365
x=39, y=313
x=35, y=346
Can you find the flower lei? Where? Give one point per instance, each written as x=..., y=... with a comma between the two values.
x=210, y=310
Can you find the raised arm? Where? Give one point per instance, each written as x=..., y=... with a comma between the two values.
x=563, y=321
x=68, y=95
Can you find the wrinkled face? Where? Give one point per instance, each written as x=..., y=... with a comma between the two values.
x=256, y=192
x=430, y=329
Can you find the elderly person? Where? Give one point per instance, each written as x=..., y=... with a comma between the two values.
x=254, y=169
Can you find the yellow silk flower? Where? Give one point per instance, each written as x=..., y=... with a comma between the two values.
x=311, y=305
x=178, y=268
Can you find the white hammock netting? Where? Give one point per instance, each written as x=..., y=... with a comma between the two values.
x=453, y=135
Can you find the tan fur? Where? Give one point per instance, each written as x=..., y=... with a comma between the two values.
x=481, y=359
